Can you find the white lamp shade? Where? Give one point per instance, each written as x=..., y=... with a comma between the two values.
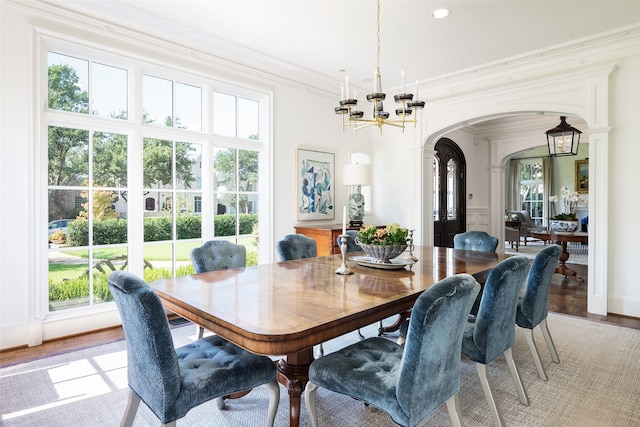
x=357, y=174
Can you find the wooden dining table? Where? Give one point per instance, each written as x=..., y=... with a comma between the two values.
x=286, y=308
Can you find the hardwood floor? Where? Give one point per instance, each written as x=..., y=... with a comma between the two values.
x=565, y=297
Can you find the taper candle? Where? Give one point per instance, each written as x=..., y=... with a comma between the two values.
x=344, y=220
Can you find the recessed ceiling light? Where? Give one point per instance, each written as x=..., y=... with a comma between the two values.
x=441, y=13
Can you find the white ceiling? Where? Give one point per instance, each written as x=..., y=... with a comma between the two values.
x=316, y=38
x=311, y=40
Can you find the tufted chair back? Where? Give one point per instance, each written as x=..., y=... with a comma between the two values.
x=172, y=381
x=352, y=246
x=296, y=246
x=475, y=241
x=218, y=255
x=493, y=331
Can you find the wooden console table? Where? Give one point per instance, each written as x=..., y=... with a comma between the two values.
x=562, y=240
x=326, y=237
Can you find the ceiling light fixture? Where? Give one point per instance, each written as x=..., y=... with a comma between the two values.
x=349, y=102
x=440, y=13
x=563, y=139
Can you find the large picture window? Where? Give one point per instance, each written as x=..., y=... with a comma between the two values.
x=98, y=151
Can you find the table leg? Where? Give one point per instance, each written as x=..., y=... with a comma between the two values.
x=293, y=373
x=562, y=266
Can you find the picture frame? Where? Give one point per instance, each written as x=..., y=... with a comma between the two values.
x=315, y=182
x=582, y=176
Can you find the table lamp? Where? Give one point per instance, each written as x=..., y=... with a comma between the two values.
x=356, y=175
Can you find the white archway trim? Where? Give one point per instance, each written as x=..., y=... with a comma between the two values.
x=582, y=92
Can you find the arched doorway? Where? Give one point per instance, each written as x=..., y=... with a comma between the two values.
x=449, y=178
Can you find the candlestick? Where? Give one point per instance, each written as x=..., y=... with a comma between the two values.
x=346, y=85
x=404, y=90
x=417, y=98
x=343, y=269
x=341, y=92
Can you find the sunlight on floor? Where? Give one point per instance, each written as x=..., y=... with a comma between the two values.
x=78, y=380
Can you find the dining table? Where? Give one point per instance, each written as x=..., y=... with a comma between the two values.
x=283, y=309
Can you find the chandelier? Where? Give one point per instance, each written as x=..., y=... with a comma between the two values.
x=351, y=116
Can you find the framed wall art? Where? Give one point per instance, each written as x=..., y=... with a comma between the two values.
x=582, y=176
x=315, y=180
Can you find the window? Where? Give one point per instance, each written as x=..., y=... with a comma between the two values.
x=87, y=175
x=97, y=152
x=170, y=103
x=236, y=194
x=532, y=188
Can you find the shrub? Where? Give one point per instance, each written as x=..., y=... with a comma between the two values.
x=58, y=235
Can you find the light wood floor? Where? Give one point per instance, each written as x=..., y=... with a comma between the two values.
x=566, y=296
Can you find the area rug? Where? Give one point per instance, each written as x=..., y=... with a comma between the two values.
x=596, y=383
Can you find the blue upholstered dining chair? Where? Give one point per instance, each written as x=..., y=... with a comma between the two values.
x=172, y=381
x=407, y=383
x=217, y=255
x=533, y=306
x=475, y=241
x=470, y=241
x=352, y=246
x=296, y=246
x=492, y=331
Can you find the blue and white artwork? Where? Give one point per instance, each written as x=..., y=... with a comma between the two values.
x=315, y=185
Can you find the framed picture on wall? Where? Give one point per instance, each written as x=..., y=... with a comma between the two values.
x=315, y=180
x=582, y=176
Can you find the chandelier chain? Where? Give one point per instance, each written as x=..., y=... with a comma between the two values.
x=378, y=37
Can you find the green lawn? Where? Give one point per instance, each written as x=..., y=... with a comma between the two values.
x=152, y=252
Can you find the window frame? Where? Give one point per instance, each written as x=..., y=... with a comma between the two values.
x=136, y=131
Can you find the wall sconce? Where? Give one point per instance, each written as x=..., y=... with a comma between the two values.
x=563, y=140
x=356, y=175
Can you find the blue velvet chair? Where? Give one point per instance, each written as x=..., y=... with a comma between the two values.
x=470, y=241
x=217, y=255
x=492, y=332
x=475, y=241
x=172, y=381
x=296, y=246
x=407, y=383
x=533, y=306
x=352, y=246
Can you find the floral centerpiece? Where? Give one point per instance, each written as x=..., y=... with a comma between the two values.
x=383, y=244
x=566, y=221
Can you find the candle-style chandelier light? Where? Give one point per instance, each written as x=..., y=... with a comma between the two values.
x=351, y=116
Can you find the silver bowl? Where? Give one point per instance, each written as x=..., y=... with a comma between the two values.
x=382, y=253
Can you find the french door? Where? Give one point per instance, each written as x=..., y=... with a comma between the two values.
x=449, y=205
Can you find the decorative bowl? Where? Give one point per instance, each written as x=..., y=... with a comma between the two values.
x=563, y=227
x=382, y=253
